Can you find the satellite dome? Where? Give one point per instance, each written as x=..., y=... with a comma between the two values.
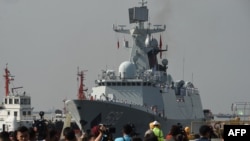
x=127, y=70
x=165, y=62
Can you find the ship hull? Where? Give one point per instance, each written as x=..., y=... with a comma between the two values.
x=89, y=113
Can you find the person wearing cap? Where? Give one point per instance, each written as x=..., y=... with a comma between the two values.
x=157, y=131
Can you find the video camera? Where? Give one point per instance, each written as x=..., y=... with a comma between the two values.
x=108, y=133
x=41, y=127
x=109, y=129
x=182, y=135
x=181, y=130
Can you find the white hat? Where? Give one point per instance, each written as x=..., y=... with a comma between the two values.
x=156, y=123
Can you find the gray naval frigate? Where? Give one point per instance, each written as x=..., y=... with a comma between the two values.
x=142, y=91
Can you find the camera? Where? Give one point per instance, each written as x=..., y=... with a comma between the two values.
x=181, y=130
x=181, y=136
x=41, y=127
x=109, y=130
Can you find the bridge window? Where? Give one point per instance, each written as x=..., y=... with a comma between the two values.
x=15, y=113
x=28, y=101
x=10, y=101
x=25, y=101
x=16, y=101
x=118, y=83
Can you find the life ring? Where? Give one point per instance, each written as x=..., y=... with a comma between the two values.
x=217, y=125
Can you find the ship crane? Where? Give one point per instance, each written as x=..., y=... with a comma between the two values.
x=12, y=89
x=81, y=90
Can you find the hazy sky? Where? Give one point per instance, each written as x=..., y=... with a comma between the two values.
x=44, y=41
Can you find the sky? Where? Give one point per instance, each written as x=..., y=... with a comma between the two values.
x=45, y=41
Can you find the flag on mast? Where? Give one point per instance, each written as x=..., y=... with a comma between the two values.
x=118, y=44
x=160, y=47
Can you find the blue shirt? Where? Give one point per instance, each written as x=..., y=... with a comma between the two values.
x=124, y=138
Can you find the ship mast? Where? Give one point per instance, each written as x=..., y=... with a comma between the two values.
x=8, y=78
x=81, y=94
x=141, y=23
x=144, y=47
x=143, y=2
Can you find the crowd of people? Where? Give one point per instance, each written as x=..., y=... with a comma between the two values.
x=100, y=133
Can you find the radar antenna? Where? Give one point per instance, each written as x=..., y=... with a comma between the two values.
x=122, y=26
x=142, y=3
x=157, y=26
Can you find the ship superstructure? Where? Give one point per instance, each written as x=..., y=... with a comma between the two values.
x=142, y=91
x=15, y=109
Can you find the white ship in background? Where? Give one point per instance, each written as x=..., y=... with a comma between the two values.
x=142, y=91
x=15, y=110
x=239, y=109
